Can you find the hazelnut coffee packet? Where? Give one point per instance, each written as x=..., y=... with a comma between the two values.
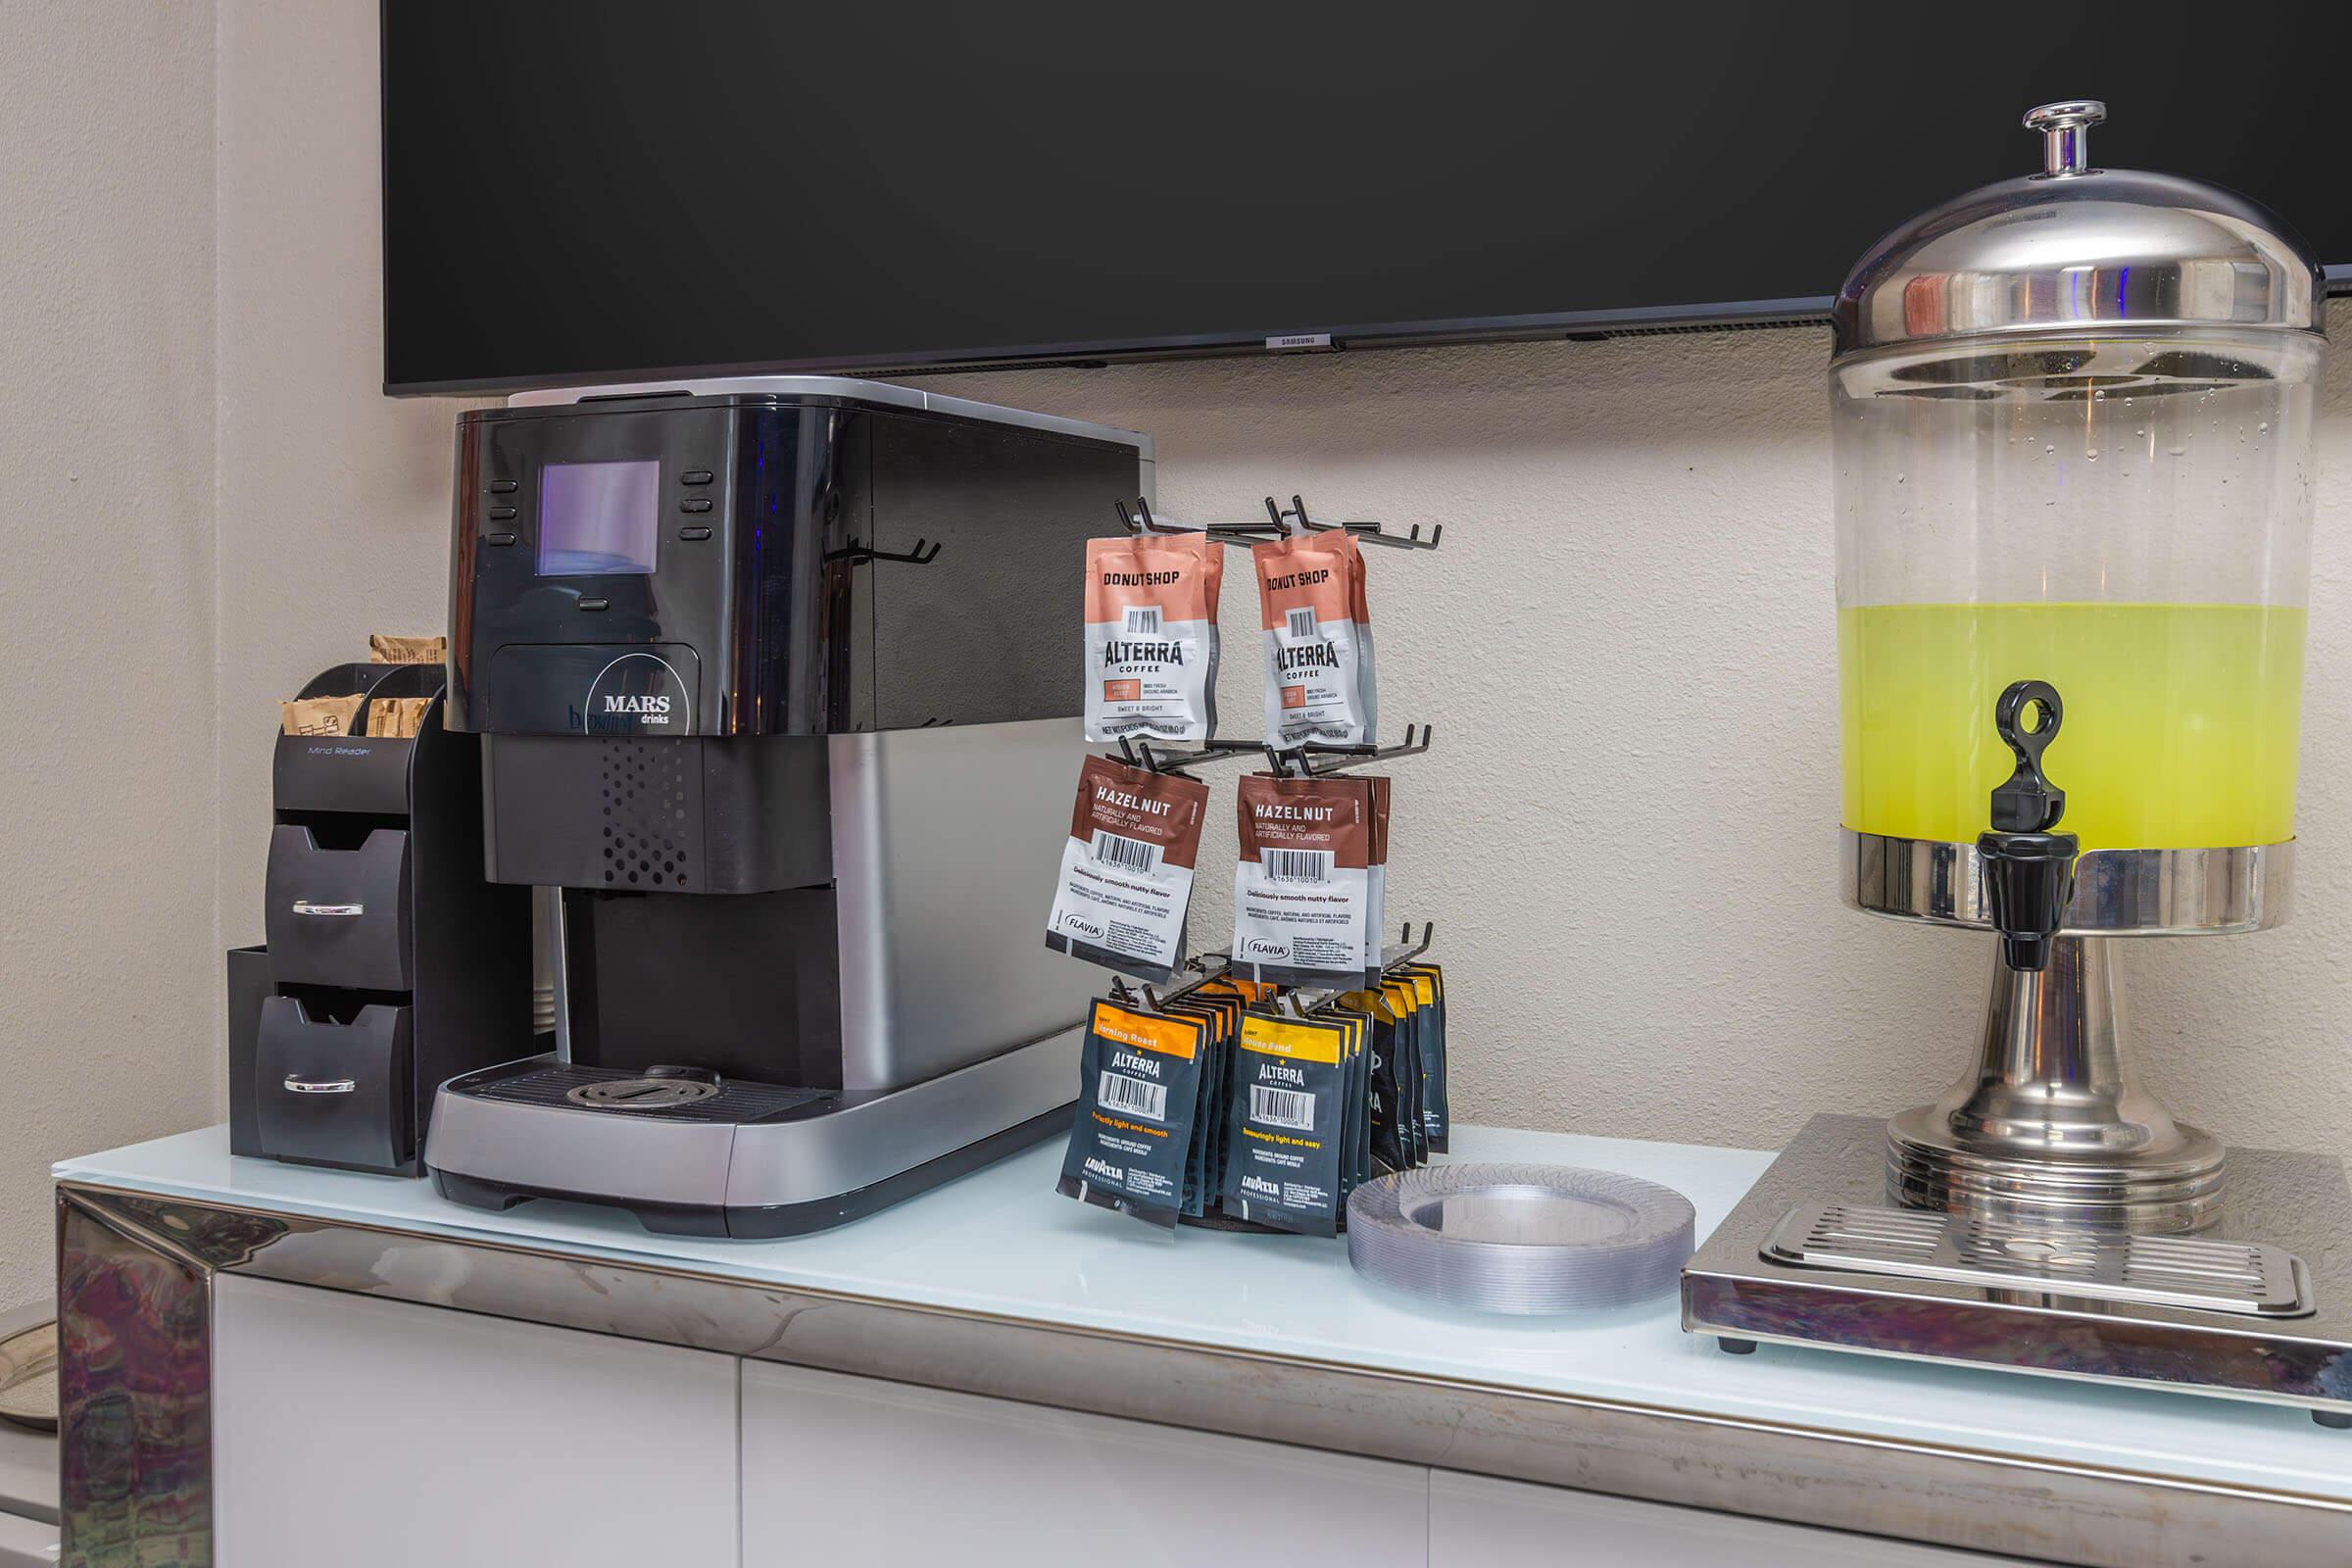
x=1139, y=1094
x=1287, y=1164
x=1127, y=868
x=1152, y=637
x=1304, y=894
x=1318, y=640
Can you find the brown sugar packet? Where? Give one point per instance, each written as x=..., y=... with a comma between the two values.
x=397, y=717
x=385, y=649
x=319, y=715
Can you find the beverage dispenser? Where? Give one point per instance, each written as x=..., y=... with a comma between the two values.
x=2073, y=438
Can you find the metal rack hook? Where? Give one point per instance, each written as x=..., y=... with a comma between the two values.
x=858, y=552
x=1368, y=532
x=1142, y=525
x=1411, y=949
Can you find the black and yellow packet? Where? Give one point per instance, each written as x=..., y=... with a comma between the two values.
x=1147, y=1079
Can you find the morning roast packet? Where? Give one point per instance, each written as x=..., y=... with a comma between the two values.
x=1137, y=1091
x=1318, y=640
x=1222, y=1012
x=1286, y=1113
x=1303, y=889
x=1436, y=1112
x=1127, y=868
x=1152, y=637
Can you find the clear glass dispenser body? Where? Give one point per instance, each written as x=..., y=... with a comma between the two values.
x=2125, y=515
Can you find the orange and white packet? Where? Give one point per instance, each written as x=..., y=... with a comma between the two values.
x=1318, y=635
x=1152, y=637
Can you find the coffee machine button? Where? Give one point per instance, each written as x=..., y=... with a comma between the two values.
x=501, y=487
x=694, y=535
x=498, y=538
x=695, y=476
x=596, y=603
x=698, y=503
x=502, y=514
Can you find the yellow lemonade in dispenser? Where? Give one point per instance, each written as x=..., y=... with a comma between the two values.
x=2180, y=731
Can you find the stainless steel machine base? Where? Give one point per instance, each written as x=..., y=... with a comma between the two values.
x=2282, y=1334
x=749, y=1160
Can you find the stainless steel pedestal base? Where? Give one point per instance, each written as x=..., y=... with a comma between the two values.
x=2046, y=1127
x=2044, y=1312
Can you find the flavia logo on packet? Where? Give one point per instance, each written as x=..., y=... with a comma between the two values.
x=1318, y=640
x=1127, y=868
x=1152, y=637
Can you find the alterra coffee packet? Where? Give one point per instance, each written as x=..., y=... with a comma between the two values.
x=1127, y=868
x=1139, y=1094
x=1152, y=637
x=1289, y=1122
x=1318, y=631
x=1306, y=900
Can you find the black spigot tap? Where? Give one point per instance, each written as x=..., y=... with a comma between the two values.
x=2028, y=870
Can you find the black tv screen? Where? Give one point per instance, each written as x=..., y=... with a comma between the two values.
x=600, y=190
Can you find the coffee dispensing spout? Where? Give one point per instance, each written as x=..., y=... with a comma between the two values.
x=2028, y=870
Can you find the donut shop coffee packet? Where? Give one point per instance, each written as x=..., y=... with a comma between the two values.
x=1127, y=868
x=1319, y=637
x=1152, y=637
x=1303, y=892
x=1138, y=1091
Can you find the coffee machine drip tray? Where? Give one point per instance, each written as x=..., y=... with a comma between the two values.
x=690, y=1153
x=2259, y=1306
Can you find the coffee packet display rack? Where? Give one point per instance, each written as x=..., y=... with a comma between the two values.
x=391, y=964
x=1272, y=1106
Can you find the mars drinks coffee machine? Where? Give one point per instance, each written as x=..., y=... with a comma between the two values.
x=2073, y=437
x=773, y=679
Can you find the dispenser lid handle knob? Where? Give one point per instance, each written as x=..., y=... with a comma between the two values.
x=2066, y=135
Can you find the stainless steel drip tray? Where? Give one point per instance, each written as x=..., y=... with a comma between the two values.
x=2258, y=1307
x=2210, y=1276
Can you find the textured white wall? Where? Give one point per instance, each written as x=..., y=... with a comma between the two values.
x=334, y=499
x=108, y=968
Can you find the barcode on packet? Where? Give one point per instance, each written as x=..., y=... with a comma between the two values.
x=1128, y=855
x=1302, y=621
x=1142, y=620
x=1137, y=1097
x=1296, y=866
x=1281, y=1108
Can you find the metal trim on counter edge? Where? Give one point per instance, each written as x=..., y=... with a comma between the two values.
x=142, y=1261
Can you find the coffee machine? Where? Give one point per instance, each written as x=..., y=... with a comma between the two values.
x=770, y=683
x=2072, y=424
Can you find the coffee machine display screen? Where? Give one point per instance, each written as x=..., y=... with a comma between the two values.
x=598, y=518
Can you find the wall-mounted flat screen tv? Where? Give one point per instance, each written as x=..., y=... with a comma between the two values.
x=605, y=190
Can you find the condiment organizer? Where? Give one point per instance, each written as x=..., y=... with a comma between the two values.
x=391, y=963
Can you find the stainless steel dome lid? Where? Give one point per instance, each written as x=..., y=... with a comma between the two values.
x=2080, y=248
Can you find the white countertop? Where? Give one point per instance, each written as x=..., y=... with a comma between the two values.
x=1004, y=1242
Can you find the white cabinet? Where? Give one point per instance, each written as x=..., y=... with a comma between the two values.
x=1478, y=1522
x=852, y=1470
x=372, y=1433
